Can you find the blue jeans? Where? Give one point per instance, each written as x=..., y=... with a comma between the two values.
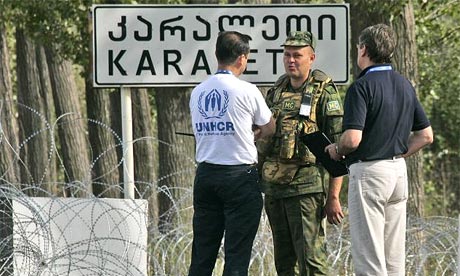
x=226, y=199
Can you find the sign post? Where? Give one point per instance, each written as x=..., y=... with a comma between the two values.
x=128, y=152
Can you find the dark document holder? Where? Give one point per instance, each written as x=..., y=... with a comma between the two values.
x=316, y=142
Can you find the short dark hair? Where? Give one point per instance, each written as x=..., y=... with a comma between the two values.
x=380, y=42
x=230, y=45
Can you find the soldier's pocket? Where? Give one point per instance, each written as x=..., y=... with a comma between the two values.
x=279, y=173
x=265, y=145
x=288, y=139
x=305, y=155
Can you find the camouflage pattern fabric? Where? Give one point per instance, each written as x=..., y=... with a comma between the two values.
x=299, y=38
x=282, y=173
x=278, y=153
x=298, y=234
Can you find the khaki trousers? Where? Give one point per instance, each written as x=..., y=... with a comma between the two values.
x=377, y=197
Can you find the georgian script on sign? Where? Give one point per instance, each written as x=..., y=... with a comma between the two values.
x=174, y=45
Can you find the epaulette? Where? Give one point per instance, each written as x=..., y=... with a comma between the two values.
x=320, y=76
x=322, y=80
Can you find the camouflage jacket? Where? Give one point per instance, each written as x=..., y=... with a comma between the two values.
x=287, y=166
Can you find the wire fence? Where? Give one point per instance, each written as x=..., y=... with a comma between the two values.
x=95, y=236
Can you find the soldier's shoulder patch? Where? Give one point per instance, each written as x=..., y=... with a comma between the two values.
x=333, y=105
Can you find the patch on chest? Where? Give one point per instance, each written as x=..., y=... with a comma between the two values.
x=289, y=105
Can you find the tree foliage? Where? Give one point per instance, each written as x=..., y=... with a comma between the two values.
x=48, y=22
x=439, y=43
x=438, y=40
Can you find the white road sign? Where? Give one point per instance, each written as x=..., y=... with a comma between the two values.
x=173, y=45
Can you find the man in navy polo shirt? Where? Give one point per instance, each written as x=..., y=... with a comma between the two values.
x=383, y=123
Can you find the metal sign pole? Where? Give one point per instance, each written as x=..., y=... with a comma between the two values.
x=128, y=152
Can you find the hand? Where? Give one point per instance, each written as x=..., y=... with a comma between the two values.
x=333, y=211
x=332, y=151
x=257, y=132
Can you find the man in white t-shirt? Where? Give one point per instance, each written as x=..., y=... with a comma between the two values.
x=228, y=115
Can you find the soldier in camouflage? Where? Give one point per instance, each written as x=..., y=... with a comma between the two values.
x=302, y=101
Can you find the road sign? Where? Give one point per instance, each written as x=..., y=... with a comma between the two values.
x=173, y=45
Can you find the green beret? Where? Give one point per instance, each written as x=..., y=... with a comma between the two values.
x=300, y=39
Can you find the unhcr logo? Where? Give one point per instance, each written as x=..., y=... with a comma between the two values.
x=214, y=105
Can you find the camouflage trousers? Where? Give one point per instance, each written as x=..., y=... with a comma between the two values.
x=298, y=234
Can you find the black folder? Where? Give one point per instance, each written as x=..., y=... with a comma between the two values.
x=316, y=142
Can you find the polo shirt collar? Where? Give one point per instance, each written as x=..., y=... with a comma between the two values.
x=376, y=67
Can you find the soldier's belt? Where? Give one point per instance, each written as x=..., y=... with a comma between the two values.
x=280, y=172
x=300, y=163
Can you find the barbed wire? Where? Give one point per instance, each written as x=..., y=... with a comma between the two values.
x=52, y=235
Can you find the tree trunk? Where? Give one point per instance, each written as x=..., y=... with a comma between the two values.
x=104, y=169
x=176, y=153
x=405, y=61
x=104, y=141
x=9, y=170
x=46, y=95
x=37, y=148
x=71, y=127
x=145, y=167
x=116, y=125
x=359, y=22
